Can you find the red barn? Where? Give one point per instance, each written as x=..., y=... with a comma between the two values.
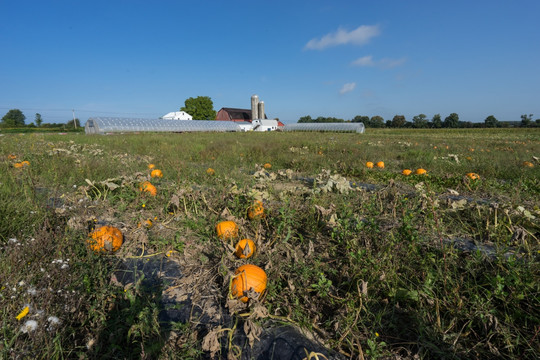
x=239, y=115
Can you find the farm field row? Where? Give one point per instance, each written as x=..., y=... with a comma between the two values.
x=360, y=261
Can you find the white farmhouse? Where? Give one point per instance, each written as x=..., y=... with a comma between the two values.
x=177, y=115
x=264, y=125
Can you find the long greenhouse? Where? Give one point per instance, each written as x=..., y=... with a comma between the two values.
x=335, y=127
x=103, y=125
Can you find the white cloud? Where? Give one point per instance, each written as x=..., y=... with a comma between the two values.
x=385, y=63
x=364, y=61
x=348, y=87
x=358, y=36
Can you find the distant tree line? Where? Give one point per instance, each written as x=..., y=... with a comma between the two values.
x=15, y=118
x=421, y=121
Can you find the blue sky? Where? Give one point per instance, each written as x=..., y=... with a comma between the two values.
x=132, y=58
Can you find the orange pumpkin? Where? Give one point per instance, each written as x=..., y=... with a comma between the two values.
x=406, y=172
x=106, y=239
x=256, y=211
x=245, y=248
x=267, y=166
x=227, y=230
x=18, y=165
x=149, y=188
x=156, y=173
x=380, y=164
x=25, y=163
x=473, y=176
x=528, y=164
x=369, y=165
x=248, y=278
x=210, y=171
x=151, y=166
x=12, y=157
x=421, y=171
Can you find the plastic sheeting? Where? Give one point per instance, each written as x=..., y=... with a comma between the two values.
x=336, y=127
x=102, y=125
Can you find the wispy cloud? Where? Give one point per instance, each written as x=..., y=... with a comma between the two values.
x=358, y=36
x=348, y=87
x=384, y=63
x=364, y=61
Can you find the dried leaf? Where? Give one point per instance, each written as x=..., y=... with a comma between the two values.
x=211, y=341
x=252, y=331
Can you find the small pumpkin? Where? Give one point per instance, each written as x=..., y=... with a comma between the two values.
x=149, y=188
x=156, y=173
x=18, y=165
x=380, y=165
x=106, y=239
x=473, y=176
x=210, y=171
x=12, y=157
x=528, y=164
x=151, y=166
x=25, y=163
x=267, y=166
x=406, y=172
x=227, y=230
x=369, y=165
x=248, y=278
x=256, y=211
x=420, y=171
x=245, y=248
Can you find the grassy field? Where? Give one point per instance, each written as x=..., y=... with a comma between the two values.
x=367, y=262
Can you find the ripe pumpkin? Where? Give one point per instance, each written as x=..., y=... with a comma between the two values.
x=245, y=248
x=248, y=278
x=227, y=230
x=210, y=171
x=149, y=188
x=380, y=165
x=18, y=165
x=421, y=171
x=528, y=164
x=256, y=211
x=25, y=163
x=369, y=165
x=267, y=166
x=156, y=173
x=106, y=239
x=473, y=176
x=406, y=172
x=151, y=166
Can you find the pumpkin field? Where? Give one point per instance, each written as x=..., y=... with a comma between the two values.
x=393, y=244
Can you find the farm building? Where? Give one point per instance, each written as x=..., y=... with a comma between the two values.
x=234, y=114
x=177, y=115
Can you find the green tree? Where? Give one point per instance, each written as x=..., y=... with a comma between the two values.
x=201, y=108
x=491, y=122
x=305, y=119
x=13, y=118
x=38, y=120
x=376, y=122
x=526, y=120
x=70, y=123
x=436, y=121
x=420, y=121
x=451, y=121
x=362, y=119
x=399, y=121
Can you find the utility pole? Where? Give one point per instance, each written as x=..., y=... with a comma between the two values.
x=74, y=121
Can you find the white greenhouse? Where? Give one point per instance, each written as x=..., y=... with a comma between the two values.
x=103, y=125
x=334, y=127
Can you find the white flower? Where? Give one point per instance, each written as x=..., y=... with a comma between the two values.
x=64, y=266
x=21, y=283
x=32, y=291
x=13, y=240
x=29, y=325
